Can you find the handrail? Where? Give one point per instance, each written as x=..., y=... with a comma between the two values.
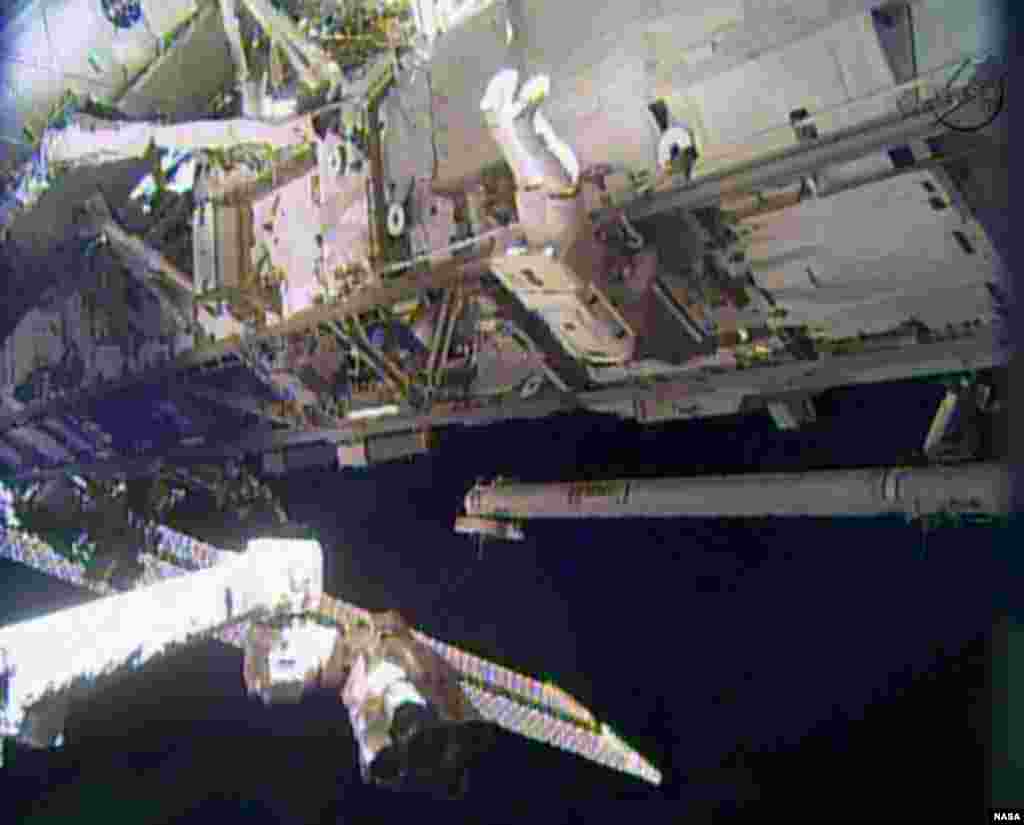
x=781, y=137
x=918, y=84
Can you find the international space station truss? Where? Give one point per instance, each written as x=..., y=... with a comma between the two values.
x=213, y=593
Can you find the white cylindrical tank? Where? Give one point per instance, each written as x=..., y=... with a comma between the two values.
x=980, y=487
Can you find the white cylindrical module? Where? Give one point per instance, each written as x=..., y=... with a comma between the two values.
x=981, y=487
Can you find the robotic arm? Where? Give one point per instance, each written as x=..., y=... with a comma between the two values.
x=404, y=701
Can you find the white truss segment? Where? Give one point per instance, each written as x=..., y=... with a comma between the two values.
x=48, y=652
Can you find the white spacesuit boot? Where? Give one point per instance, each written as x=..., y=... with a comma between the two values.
x=501, y=92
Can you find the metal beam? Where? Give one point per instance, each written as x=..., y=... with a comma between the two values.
x=440, y=277
x=934, y=164
x=914, y=361
x=229, y=17
x=438, y=336
x=91, y=141
x=378, y=199
x=240, y=187
x=311, y=63
x=458, y=300
x=138, y=255
x=235, y=402
x=376, y=361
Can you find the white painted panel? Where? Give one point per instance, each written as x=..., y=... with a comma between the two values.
x=51, y=650
x=745, y=111
x=935, y=307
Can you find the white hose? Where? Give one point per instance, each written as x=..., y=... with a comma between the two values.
x=93, y=141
